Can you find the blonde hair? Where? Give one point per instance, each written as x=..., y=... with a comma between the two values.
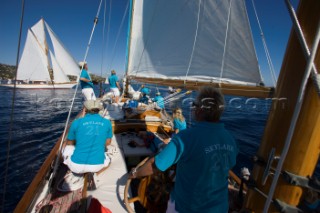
x=177, y=113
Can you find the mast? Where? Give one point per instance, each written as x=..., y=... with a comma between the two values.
x=128, y=47
x=46, y=50
x=302, y=156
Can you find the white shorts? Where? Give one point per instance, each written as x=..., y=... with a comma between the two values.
x=81, y=168
x=115, y=91
x=88, y=94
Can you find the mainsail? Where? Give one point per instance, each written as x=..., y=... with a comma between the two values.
x=192, y=41
x=34, y=64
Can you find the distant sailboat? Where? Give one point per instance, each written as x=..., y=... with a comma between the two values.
x=35, y=65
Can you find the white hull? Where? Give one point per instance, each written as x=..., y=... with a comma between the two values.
x=40, y=86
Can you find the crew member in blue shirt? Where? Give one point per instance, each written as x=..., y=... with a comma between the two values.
x=203, y=155
x=114, y=85
x=144, y=99
x=145, y=90
x=86, y=83
x=159, y=100
x=179, y=122
x=144, y=95
x=87, y=141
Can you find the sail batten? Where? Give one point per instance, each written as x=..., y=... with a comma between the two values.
x=162, y=41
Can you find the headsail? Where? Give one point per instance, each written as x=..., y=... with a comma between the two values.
x=63, y=57
x=58, y=74
x=199, y=41
x=33, y=63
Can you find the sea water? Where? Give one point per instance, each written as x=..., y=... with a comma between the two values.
x=40, y=116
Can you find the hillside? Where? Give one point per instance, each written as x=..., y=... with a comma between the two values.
x=8, y=72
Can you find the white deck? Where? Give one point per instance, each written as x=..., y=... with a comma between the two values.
x=111, y=183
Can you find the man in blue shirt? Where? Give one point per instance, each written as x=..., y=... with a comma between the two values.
x=159, y=100
x=87, y=140
x=203, y=155
x=114, y=85
x=86, y=83
x=144, y=90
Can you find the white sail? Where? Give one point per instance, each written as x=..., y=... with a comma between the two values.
x=63, y=57
x=192, y=40
x=39, y=33
x=33, y=62
x=58, y=75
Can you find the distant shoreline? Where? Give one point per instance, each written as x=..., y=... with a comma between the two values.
x=8, y=72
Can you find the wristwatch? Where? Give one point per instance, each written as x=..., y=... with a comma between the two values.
x=134, y=172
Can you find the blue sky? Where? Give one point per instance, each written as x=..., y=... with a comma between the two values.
x=72, y=21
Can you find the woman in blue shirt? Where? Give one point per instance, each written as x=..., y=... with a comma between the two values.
x=179, y=122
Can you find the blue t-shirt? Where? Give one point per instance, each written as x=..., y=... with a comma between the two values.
x=159, y=100
x=113, y=81
x=204, y=155
x=178, y=124
x=144, y=99
x=83, y=84
x=145, y=90
x=90, y=134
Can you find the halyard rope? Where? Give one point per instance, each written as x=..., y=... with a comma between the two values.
x=74, y=96
x=194, y=42
x=225, y=44
x=265, y=49
x=12, y=113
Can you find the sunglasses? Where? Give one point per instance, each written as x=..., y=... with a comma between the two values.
x=195, y=104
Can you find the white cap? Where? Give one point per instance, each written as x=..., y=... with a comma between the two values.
x=82, y=63
x=93, y=104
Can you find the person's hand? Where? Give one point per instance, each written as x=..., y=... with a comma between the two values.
x=133, y=173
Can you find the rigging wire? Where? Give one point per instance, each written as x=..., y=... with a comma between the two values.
x=118, y=35
x=72, y=103
x=194, y=42
x=109, y=24
x=225, y=44
x=12, y=112
x=108, y=30
x=271, y=67
x=103, y=40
